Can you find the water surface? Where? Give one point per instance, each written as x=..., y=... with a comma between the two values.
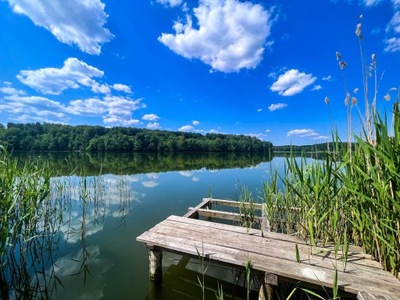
x=108, y=200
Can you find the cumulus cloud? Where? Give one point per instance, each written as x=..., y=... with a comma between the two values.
x=150, y=117
x=20, y=106
x=114, y=110
x=186, y=128
x=195, y=123
x=302, y=132
x=292, y=82
x=231, y=35
x=72, y=75
x=153, y=125
x=122, y=88
x=171, y=3
x=71, y=22
x=277, y=106
x=316, y=87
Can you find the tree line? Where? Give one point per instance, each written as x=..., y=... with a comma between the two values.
x=93, y=164
x=315, y=148
x=56, y=137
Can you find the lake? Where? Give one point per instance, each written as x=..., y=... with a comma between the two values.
x=106, y=201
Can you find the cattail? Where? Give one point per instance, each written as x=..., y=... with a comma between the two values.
x=387, y=97
x=355, y=91
x=342, y=64
x=358, y=31
x=326, y=100
x=354, y=100
x=338, y=55
x=346, y=100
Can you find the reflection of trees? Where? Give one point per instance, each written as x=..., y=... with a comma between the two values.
x=125, y=164
x=36, y=212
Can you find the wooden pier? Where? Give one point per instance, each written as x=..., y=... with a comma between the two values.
x=271, y=254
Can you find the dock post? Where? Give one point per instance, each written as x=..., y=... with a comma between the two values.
x=266, y=289
x=155, y=263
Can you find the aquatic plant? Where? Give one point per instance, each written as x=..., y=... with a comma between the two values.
x=353, y=194
x=28, y=222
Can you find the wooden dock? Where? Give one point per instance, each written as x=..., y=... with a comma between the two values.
x=271, y=254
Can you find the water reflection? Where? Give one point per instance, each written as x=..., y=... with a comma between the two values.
x=87, y=164
x=86, y=245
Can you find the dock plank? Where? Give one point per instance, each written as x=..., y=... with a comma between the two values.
x=259, y=245
x=273, y=253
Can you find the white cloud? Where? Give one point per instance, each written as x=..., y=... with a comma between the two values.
x=322, y=137
x=371, y=2
x=153, y=125
x=122, y=88
x=259, y=110
x=171, y=3
x=292, y=82
x=214, y=131
x=186, y=128
x=195, y=123
x=186, y=173
x=327, y=78
x=72, y=75
x=17, y=104
x=392, y=44
x=150, y=117
x=150, y=183
x=259, y=136
x=316, y=87
x=112, y=109
x=302, y=132
x=71, y=22
x=231, y=35
x=393, y=29
x=277, y=106
x=11, y=91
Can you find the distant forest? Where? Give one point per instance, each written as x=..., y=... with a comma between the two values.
x=55, y=137
x=321, y=147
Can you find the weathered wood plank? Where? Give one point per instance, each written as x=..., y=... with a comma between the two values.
x=368, y=296
x=193, y=212
x=258, y=245
x=225, y=215
x=231, y=203
x=269, y=252
x=257, y=206
x=274, y=253
x=354, y=250
x=348, y=282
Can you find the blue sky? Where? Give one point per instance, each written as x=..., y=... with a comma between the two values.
x=262, y=68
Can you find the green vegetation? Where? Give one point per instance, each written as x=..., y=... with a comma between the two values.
x=352, y=196
x=53, y=137
x=28, y=222
x=91, y=164
x=312, y=150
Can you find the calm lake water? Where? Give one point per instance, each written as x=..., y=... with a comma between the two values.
x=109, y=200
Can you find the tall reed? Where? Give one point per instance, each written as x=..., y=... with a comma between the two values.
x=28, y=221
x=353, y=195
